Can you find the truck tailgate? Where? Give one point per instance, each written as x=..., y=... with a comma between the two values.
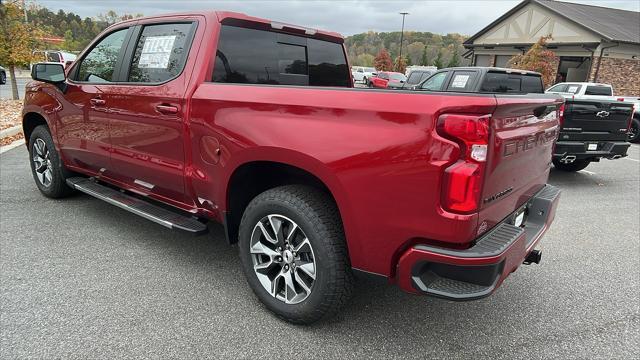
x=523, y=131
x=595, y=119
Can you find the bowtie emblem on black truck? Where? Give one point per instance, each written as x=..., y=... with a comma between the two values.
x=602, y=114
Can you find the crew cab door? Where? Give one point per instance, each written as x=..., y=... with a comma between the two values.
x=148, y=110
x=83, y=129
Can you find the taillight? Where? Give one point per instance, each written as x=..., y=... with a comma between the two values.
x=462, y=181
x=561, y=115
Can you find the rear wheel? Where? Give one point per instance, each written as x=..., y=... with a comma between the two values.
x=634, y=133
x=294, y=254
x=46, y=166
x=577, y=165
x=3, y=78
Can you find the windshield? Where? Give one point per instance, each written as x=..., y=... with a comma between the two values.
x=369, y=69
x=397, y=77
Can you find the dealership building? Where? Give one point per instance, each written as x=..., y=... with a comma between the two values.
x=593, y=43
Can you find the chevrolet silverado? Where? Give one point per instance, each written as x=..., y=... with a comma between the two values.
x=219, y=116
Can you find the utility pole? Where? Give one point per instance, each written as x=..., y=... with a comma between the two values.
x=402, y=35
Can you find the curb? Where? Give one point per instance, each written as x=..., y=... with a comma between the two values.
x=10, y=131
x=13, y=145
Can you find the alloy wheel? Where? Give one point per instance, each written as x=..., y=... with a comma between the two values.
x=283, y=258
x=42, y=162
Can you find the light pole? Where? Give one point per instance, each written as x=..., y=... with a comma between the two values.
x=402, y=35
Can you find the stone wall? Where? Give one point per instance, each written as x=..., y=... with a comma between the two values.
x=622, y=74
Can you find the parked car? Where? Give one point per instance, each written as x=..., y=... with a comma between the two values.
x=312, y=182
x=387, y=80
x=362, y=74
x=58, y=56
x=483, y=80
x=587, y=90
x=3, y=76
x=592, y=129
x=415, y=77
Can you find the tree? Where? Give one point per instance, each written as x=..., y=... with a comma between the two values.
x=455, y=59
x=438, y=61
x=425, y=58
x=400, y=64
x=538, y=58
x=364, y=60
x=17, y=40
x=414, y=52
x=382, y=61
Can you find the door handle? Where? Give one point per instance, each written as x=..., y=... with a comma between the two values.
x=97, y=102
x=167, y=109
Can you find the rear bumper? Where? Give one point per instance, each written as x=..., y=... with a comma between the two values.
x=580, y=149
x=476, y=272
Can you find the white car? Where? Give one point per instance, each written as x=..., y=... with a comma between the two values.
x=583, y=90
x=362, y=74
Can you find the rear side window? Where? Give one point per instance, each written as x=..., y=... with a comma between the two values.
x=598, y=90
x=462, y=81
x=498, y=82
x=99, y=64
x=53, y=57
x=262, y=57
x=161, y=52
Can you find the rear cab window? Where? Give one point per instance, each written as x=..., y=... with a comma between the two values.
x=504, y=82
x=252, y=56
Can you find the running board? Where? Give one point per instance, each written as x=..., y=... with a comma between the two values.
x=157, y=214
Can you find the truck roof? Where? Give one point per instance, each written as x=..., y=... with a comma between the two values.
x=583, y=83
x=229, y=17
x=490, y=68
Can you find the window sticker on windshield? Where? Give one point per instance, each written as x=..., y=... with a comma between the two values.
x=572, y=89
x=156, y=52
x=460, y=81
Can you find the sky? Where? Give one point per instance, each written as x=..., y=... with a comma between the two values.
x=346, y=17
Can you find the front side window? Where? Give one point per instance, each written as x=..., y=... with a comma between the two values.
x=253, y=56
x=435, y=82
x=558, y=88
x=99, y=64
x=161, y=52
x=414, y=77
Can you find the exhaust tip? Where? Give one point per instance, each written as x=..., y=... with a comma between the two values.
x=533, y=257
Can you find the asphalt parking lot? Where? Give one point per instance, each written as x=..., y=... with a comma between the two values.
x=84, y=279
x=5, y=89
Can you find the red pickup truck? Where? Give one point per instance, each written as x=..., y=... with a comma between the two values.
x=219, y=116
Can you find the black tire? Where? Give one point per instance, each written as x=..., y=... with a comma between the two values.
x=3, y=78
x=634, y=135
x=572, y=167
x=317, y=216
x=365, y=81
x=57, y=187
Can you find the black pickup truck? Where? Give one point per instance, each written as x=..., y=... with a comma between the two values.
x=590, y=129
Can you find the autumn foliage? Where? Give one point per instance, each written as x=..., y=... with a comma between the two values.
x=382, y=61
x=400, y=64
x=538, y=58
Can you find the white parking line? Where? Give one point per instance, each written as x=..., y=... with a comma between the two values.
x=587, y=172
x=636, y=160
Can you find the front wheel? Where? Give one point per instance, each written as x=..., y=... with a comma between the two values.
x=577, y=165
x=634, y=133
x=3, y=78
x=48, y=172
x=294, y=254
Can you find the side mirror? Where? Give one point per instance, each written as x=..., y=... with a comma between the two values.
x=52, y=73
